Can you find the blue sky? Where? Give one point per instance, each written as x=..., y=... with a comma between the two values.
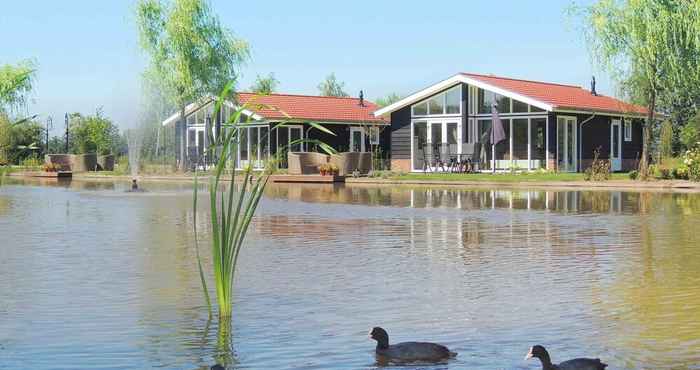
x=88, y=55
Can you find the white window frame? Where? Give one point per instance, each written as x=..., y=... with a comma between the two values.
x=374, y=133
x=361, y=130
x=627, y=126
x=442, y=95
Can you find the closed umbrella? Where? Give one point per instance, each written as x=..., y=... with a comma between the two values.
x=497, y=134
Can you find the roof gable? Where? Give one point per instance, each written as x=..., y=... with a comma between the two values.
x=544, y=95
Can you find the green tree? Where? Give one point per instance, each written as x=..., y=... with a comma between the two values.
x=191, y=53
x=666, y=140
x=19, y=141
x=16, y=82
x=648, y=45
x=690, y=133
x=332, y=87
x=93, y=134
x=388, y=100
x=265, y=85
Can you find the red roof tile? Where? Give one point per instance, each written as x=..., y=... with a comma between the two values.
x=560, y=96
x=313, y=108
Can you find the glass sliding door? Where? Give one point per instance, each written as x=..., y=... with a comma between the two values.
x=566, y=144
x=520, y=143
x=419, y=144
x=538, y=137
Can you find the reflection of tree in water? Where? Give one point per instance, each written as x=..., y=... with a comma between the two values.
x=652, y=305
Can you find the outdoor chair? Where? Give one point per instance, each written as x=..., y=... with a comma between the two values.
x=305, y=163
x=428, y=156
x=467, y=159
x=476, y=157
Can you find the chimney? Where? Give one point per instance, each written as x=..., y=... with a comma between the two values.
x=593, y=92
x=362, y=99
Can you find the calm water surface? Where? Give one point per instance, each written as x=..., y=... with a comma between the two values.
x=95, y=278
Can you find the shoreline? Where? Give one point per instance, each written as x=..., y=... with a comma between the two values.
x=628, y=185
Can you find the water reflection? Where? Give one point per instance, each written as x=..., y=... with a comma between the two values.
x=486, y=272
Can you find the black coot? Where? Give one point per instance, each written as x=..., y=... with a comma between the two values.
x=408, y=351
x=575, y=364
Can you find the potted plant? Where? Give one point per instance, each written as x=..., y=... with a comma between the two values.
x=333, y=169
x=323, y=169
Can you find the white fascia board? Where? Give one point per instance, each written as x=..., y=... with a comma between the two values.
x=420, y=95
x=507, y=93
x=194, y=106
x=459, y=78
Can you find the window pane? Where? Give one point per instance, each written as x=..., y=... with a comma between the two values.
x=503, y=104
x=452, y=133
x=484, y=130
x=452, y=100
x=435, y=105
x=191, y=138
x=519, y=107
x=520, y=141
x=420, y=109
x=264, y=142
x=420, y=142
x=485, y=100
x=561, y=131
x=503, y=148
x=243, y=143
x=535, y=109
x=294, y=135
x=538, y=134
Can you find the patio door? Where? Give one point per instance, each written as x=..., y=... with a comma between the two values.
x=296, y=133
x=566, y=144
x=357, y=139
x=616, y=145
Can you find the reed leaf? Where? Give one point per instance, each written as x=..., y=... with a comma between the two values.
x=232, y=209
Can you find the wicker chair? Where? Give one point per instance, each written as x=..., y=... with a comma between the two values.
x=305, y=163
x=348, y=162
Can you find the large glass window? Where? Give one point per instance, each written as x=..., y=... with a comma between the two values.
x=448, y=102
x=486, y=99
x=435, y=105
x=519, y=107
x=520, y=142
x=538, y=137
x=420, y=109
x=453, y=101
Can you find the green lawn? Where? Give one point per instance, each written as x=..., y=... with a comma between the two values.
x=499, y=177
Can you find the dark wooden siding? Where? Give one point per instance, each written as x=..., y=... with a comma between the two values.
x=633, y=149
x=401, y=133
x=594, y=134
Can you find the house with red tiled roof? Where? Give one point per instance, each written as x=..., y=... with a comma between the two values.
x=262, y=136
x=448, y=126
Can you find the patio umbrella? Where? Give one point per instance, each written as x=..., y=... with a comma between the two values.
x=497, y=134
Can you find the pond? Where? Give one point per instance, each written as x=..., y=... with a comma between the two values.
x=92, y=277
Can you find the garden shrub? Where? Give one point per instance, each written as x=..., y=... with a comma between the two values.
x=634, y=174
x=599, y=169
x=691, y=159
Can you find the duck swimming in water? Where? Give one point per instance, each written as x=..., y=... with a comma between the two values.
x=407, y=352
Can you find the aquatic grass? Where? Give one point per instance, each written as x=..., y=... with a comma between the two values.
x=232, y=209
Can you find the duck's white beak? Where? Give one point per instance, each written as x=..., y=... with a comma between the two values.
x=529, y=355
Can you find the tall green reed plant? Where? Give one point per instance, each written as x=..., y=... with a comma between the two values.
x=232, y=209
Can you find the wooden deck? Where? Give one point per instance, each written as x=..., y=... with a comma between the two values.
x=318, y=179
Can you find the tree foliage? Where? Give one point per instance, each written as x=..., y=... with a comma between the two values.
x=388, y=99
x=651, y=47
x=93, y=134
x=332, y=87
x=16, y=82
x=265, y=85
x=19, y=141
x=191, y=53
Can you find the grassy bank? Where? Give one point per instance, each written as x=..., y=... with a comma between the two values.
x=497, y=177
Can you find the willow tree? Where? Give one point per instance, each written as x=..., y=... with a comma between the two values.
x=191, y=53
x=650, y=46
x=332, y=87
x=265, y=85
x=16, y=82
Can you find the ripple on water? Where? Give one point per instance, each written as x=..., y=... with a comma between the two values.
x=95, y=278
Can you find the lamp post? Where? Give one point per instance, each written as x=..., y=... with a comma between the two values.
x=49, y=126
x=66, y=117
